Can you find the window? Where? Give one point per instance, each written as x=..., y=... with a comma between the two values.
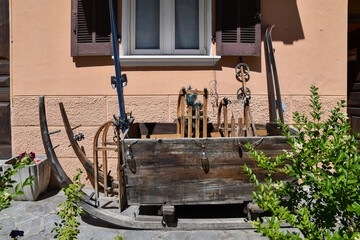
x=167, y=27
x=90, y=28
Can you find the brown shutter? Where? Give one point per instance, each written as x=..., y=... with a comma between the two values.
x=4, y=31
x=90, y=28
x=238, y=30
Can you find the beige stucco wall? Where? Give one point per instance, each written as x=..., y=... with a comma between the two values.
x=310, y=40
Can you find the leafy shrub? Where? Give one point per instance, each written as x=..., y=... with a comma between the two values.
x=6, y=184
x=323, y=199
x=68, y=228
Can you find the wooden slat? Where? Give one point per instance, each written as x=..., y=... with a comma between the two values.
x=205, y=114
x=190, y=120
x=4, y=81
x=354, y=99
x=4, y=94
x=5, y=133
x=232, y=133
x=197, y=122
x=226, y=123
x=356, y=86
x=353, y=111
x=175, y=135
x=5, y=151
x=241, y=127
x=4, y=68
x=182, y=119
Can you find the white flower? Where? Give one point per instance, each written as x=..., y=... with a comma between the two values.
x=6, y=195
x=288, y=154
x=346, y=138
x=298, y=147
x=278, y=185
x=344, y=117
x=357, y=238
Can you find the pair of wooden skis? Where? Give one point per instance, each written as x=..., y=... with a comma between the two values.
x=276, y=110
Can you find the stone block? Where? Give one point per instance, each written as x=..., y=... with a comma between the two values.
x=26, y=139
x=25, y=111
x=143, y=108
x=84, y=110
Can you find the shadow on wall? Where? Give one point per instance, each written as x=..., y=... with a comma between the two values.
x=93, y=61
x=284, y=14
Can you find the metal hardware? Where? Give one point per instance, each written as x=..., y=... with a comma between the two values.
x=79, y=137
x=246, y=71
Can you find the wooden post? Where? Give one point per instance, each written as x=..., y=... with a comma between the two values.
x=232, y=133
x=182, y=133
x=205, y=114
x=190, y=120
x=241, y=127
x=197, y=122
x=226, y=124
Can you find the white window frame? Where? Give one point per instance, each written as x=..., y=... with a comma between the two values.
x=129, y=59
x=167, y=30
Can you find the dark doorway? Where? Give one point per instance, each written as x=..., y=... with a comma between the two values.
x=353, y=82
x=5, y=130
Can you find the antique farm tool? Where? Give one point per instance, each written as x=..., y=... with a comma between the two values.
x=275, y=103
x=244, y=95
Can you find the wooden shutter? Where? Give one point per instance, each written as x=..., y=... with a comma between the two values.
x=90, y=28
x=238, y=30
x=4, y=31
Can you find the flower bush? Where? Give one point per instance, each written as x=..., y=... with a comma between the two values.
x=27, y=159
x=69, y=211
x=323, y=199
x=6, y=184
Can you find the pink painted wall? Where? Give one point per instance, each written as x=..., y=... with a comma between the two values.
x=309, y=39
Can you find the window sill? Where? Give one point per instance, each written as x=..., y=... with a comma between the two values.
x=168, y=60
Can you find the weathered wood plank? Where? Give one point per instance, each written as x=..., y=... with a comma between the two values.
x=170, y=170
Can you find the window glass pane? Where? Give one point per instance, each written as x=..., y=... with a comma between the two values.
x=147, y=26
x=186, y=24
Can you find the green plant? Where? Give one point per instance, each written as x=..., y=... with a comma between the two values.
x=323, y=199
x=118, y=238
x=6, y=184
x=68, y=228
x=27, y=159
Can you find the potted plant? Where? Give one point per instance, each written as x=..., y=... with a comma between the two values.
x=35, y=165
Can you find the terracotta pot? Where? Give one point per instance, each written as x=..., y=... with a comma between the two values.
x=41, y=172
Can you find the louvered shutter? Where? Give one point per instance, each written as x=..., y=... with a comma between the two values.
x=90, y=28
x=238, y=30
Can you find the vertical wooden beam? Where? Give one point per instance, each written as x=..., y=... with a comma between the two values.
x=205, y=114
x=226, y=123
x=190, y=120
x=182, y=125
x=241, y=127
x=197, y=122
x=232, y=133
x=247, y=120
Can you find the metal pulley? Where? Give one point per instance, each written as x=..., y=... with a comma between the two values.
x=241, y=94
x=246, y=70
